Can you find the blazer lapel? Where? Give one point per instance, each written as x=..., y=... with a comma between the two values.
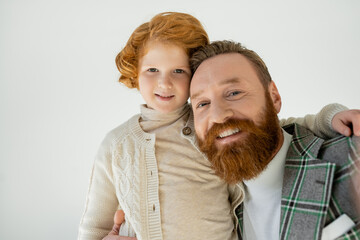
x=239, y=213
x=306, y=187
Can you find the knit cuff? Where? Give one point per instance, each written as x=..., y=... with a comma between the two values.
x=326, y=115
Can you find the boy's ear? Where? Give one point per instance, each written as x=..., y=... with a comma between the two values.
x=275, y=96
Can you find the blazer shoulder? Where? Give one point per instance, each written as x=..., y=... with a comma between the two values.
x=341, y=150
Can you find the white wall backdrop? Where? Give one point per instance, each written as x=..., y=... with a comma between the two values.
x=59, y=94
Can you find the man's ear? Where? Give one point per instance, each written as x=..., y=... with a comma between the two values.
x=275, y=96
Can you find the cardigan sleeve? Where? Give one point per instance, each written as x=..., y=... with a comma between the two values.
x=101, y=201
x=319, y=124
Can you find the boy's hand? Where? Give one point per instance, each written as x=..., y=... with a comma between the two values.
x=119, y=218
x=347, y=122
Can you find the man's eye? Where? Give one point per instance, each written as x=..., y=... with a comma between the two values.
x=202, y=104
x=152, y=70
x=179, y=71
x=234, y=93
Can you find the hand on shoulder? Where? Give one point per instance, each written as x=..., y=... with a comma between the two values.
x=347, y=122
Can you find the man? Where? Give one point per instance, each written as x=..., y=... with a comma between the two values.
x=297, y=186
x=232, y=83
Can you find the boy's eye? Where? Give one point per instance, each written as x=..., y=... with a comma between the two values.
x=153, y=70
x=179, y=71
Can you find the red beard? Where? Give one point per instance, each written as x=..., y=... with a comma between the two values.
x=248, y=157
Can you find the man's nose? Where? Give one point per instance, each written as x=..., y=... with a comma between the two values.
x=220, y=113
x=164, y=81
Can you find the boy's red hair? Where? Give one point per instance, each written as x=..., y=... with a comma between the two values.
x=180, y=29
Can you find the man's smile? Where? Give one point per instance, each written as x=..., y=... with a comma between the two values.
x=229, y=136
x=228, y=132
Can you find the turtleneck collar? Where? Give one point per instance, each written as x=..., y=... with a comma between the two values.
x=152, y=119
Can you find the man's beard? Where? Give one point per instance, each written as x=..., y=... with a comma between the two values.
x=246, y=158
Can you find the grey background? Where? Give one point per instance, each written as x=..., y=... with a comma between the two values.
x=59, y=94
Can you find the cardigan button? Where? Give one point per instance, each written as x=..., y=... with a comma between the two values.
x=186, y=131
x=153, y=207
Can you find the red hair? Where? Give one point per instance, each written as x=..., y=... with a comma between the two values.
x=180, y=29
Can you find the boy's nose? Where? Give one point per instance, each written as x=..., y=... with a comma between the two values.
x=164, y=81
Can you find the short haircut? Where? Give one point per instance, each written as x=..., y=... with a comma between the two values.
x=226, y=46
x=180, y=29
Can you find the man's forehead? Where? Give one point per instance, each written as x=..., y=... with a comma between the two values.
x=229, y=68
x=223, y=66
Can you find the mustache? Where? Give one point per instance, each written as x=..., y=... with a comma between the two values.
x=240, y=160
x=243, y=125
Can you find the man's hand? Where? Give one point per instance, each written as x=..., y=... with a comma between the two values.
x=119, y=218
x=347, y=122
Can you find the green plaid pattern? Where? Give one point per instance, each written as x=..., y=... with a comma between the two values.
x=317, y=185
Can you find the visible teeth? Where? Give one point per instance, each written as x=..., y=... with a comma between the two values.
x=229, y=132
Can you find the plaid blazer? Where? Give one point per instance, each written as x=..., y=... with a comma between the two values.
x=317, y=185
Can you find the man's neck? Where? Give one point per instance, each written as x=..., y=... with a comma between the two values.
x=280, y=143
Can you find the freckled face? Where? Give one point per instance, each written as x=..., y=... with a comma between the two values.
x=164, y=77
